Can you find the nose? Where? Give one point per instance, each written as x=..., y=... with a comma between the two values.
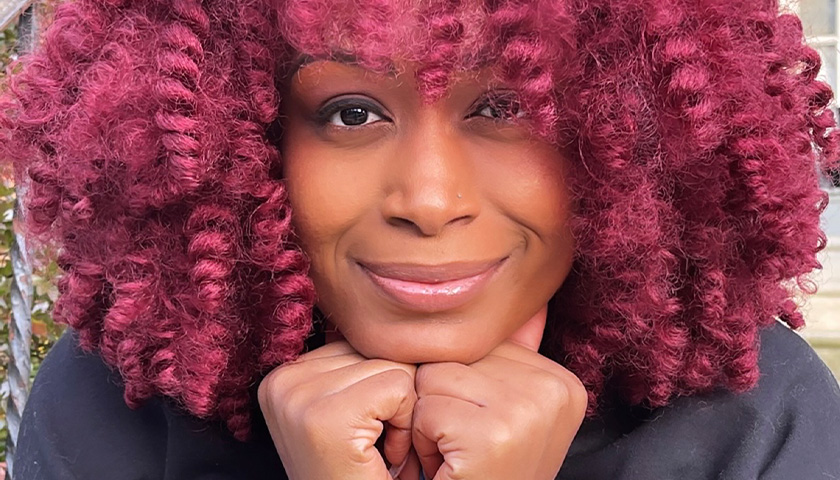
x=432, y=178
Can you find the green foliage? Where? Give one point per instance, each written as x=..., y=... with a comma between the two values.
x=44, y=331
x=7, y=42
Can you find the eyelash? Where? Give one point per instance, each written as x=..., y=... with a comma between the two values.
x=497, y=101
x=324, y=116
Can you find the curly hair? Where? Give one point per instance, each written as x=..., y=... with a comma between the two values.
x=145, y=134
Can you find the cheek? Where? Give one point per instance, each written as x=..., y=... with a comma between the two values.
x=330, y=198
x=532, y=191
x=327, y=195
x=537, y=199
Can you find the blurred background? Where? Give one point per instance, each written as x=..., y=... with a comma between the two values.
x=821, y=23
x=20, y=22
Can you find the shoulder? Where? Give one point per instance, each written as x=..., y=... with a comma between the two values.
x=76, y=408
x=786, y=427
x=792, y=376
x=795, y=409
x=785, y=356
x=77, y=425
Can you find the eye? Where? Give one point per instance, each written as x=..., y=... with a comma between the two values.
x=504, y=107
x=353, y=117
x=349, y=113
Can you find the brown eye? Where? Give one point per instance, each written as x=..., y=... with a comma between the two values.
x=504, y=107
x=349, y=113
x=353, y=117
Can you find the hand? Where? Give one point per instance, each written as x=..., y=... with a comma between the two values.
x=326, y=410
x=512, y=414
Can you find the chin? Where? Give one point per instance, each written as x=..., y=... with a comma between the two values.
x=418, y=352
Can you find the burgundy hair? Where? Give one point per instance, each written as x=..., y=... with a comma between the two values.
x=696, y=129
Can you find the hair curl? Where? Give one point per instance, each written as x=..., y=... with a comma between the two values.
x=142, y=132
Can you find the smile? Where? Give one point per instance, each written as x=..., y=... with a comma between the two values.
x=431, y=288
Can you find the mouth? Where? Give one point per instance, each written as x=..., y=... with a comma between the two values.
x=431, y=288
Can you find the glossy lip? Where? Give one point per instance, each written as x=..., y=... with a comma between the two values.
x=431, y=288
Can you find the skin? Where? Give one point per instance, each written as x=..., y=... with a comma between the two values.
x=423, y=183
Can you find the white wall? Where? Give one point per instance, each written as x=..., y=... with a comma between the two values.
x=822, y=311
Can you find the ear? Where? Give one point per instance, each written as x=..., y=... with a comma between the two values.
x=530, y=334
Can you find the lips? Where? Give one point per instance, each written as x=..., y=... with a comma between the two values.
x=431, y=288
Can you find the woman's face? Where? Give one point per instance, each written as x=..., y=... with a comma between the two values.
x=435, y=231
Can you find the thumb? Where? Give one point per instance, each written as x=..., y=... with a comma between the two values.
x=530, y=334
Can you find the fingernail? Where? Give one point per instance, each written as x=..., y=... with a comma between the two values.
x=395, y=470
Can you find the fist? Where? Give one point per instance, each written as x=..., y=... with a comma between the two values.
x=512, y=414
x=326, y=410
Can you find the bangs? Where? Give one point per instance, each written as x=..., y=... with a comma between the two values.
x=378, y=34
x=438, y=38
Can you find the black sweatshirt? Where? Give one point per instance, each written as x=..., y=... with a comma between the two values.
x=76, y=426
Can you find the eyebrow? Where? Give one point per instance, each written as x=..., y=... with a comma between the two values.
x=304, y=59
x=346, y=58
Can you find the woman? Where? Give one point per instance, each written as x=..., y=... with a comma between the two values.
x=463, y=224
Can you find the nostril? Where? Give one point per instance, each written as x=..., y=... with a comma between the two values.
x=464, y=219
x=400, y=222
x=428, y=229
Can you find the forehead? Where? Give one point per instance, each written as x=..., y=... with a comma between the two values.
x=529, y=45
x=313, y=72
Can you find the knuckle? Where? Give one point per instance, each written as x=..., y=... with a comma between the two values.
x=500, y=437
x=457, y=470
x=264, y=394
x=556, y=391
x=422, y=413
x=358, y=452
x=420, y=408
x=295, y=400
x=568, y=395
x=411, y=370
x=565, y=390
x=429, y=372
x=579, y=397
x=421, y=378
x=312, y=417
x=378, y=365
x=425, y=370
x=271, y=388
x=400, y=378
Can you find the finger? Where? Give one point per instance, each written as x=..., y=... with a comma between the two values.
x=334, y=381
x=547, y=379
x=530, y=334
x=303, y=371
x=524, y=374
x=397, y=440
x=436, y=420
x=330, y=350
x=412, y=467
x=309, y=370
x=455, y=380
x=396, y=469
x=520, y=354
x=387, y=396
